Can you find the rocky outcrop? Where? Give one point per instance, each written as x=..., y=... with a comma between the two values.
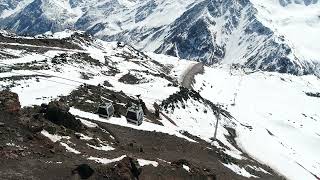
x=9, y=102
x=58, y=113
x=126, y=169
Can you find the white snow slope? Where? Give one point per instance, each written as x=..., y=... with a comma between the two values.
x=285, y=121
x=297, y=22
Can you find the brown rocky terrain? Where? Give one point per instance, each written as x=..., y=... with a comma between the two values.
x=27, y=154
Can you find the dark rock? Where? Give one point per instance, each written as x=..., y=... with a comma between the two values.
x=84, y=171
x=58, y=113
x=94, y=142
x=51, y=129
x=78, y=136
x=126, y=169
x=30, y=137
x=135, y=168
x=141, y=150
x=58, y=105
x=317, y=95
x=180, y=162
x=129, y=79
x=120, y=44
x=107, y=84
x=9, y=102
x=44, y=108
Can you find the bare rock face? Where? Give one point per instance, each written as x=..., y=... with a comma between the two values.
x=58, y=113
x=9, y=102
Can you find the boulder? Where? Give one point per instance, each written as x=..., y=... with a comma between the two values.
x=84, y=171
x=58, y=106
x=58, y=113
x=9, y=102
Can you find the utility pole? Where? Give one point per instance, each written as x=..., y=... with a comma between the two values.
x=218, y=118
x=139, y=100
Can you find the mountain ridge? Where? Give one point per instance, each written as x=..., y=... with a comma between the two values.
x=209, y=31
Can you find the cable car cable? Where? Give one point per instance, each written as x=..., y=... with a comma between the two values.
x=8, y=65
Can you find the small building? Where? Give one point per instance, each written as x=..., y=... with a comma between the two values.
x=135, y=115
x=106, y=110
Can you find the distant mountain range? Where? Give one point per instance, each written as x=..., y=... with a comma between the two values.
x=274, y=35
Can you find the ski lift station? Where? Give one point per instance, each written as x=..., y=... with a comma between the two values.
x=106, y=110
x=135, y=115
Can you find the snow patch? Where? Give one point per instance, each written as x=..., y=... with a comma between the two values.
x=105, y=160
x=239, y=170
x=84, y=137
x=55, y=137
x=88, y=123
x=102, y=147
x=143, y=162
x=187, y=168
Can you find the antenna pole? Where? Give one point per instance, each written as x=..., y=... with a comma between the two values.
x=139, y=101
x=218, y=118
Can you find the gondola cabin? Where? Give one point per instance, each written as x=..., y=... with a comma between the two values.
x=106, y=110
x=135, y=115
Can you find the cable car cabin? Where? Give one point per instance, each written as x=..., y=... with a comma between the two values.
x=135, y=115
x=106, y=110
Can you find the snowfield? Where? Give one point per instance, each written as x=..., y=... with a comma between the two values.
x=297, y=22
x=285, y=121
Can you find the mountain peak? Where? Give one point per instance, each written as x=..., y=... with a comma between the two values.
x=259, y=34
x=303, y=2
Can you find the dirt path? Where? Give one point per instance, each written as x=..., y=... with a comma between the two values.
x=188, y=78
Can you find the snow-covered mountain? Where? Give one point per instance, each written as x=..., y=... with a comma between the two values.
x=275, y=35
x=253, y=48
x=84, y=72
x=266, y=118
